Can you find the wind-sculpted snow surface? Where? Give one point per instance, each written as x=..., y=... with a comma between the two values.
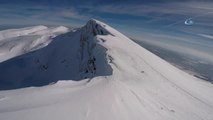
x=137, y=85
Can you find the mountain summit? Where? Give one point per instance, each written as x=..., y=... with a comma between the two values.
x=98, y=73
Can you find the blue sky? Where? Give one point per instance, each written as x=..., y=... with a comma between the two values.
x=129, y=16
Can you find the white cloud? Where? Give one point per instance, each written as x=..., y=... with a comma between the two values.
x=37, y=14
x=72, y=13
x=184, y=8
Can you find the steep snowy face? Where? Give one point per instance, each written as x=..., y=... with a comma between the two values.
x=71, y=56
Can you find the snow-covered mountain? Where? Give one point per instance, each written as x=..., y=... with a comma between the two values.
x=99, y=74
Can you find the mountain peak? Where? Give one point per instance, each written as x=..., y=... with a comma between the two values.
x=96, y=22
x=96, y=27
x=93, y=20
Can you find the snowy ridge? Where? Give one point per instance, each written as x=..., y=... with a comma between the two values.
x=20, y=32
x=14, y=42
x=128, y=82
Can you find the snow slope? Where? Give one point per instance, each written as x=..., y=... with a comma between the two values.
x=14, y=42
x=99, y=74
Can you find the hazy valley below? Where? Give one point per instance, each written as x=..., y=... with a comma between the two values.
x=202, y=70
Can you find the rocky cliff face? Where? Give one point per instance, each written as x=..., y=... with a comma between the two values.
x=88, y=44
